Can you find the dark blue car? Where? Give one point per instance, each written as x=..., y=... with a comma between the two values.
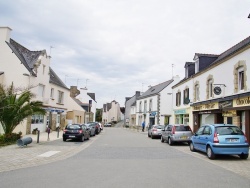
x=222, y=139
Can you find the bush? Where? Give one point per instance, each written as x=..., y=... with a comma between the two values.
x=7, y=139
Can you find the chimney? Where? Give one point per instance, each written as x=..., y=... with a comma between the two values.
x=137, y=94
x=5, y=34
x=74, y=91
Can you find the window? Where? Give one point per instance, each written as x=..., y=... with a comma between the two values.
x=178, y=98
x=60, y=97
x=145, y=106
x=196, y=92
x=186, y=96
x=37, y=119
x=44, y=69
x=241, y=78
x=52, y=93
x=150, y=105
x=207, y=131
x=210, y=88
x=140, y=106
x=41, y=90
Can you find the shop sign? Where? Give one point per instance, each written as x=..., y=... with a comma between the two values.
x=205, y=112
x=226, y=104
x=181, y=111
x=242, y=102
x=208, y=106
x=229, y=113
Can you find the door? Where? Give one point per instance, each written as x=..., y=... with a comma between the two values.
x=196, y=138
x=205, y=137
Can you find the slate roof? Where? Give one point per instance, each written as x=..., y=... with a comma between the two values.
x=155, y=89
x=27, y=57
x=92, y=96
x=224, y=55
x=54, y=79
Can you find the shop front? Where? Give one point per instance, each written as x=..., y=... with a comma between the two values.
x=182, y=116
x=236, y=111
x=206, y=113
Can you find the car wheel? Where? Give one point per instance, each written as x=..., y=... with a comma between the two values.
x=210, y=153
x=170, y=141
x=243, y=156
x=64, y=139
x=162, y=140
x=82, y=139
x=191, y=147
x=152, y=136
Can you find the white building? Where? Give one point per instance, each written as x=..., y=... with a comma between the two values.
x=218, y=89
x=155, y=105
x=130, y=109
x=31, y=70
x=111, y=112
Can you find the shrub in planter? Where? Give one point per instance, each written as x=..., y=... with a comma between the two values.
x=7, y=139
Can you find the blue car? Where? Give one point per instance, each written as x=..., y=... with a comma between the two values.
x=221, y=139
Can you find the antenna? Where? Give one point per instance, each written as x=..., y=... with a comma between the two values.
x=50, y=50
x=172, y=70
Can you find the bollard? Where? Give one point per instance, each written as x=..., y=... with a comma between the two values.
x=48, y=133
x=57, y=132
x=38, y=134
x=24, y=141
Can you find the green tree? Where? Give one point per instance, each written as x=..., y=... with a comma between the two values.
x=16, y=106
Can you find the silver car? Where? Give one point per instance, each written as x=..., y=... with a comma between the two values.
x=176, y=133
x=155, y=131
x=91, y=128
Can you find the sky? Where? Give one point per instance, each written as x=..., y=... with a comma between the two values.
x=118, y=47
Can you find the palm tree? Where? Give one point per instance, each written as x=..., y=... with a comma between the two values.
x=15, y=107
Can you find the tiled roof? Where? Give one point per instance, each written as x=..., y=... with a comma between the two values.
x=54, y=79
x=155, y=89
x=27, y=57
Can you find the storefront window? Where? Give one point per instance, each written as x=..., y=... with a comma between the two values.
x=186, y=119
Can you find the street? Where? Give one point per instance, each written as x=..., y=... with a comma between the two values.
x=120, y=157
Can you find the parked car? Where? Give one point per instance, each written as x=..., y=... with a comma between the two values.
x=107, y=125
x=101, y=126
x=97, y=127
x=155, y=131
x=76, y=132
x=91, y=128
x=176, y=133
x=222, y=139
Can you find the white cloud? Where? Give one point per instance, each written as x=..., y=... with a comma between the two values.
x=118, y=45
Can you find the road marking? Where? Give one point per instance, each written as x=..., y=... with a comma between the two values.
x=48, y=154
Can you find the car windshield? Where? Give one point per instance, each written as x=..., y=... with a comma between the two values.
x=182, y=128
x=73, y=127
x=228, y=130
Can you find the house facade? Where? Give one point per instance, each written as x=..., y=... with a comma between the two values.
x=130, y=111
x=218, y=91
x=31, y=70
x=111, y=112
x=155, y=105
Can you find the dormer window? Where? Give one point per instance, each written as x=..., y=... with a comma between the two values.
x=197, y=66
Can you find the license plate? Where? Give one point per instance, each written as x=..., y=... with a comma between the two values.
x=71, y=136
x=183, y=137
x=232, y=140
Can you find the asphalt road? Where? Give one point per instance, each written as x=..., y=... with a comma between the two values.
x=122, y=158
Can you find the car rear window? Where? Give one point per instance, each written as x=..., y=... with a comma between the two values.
x=228, y=130
x=182, y=128
x=73, y=127
x=157, y=127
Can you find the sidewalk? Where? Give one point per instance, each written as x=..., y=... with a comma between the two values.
x=46, y=151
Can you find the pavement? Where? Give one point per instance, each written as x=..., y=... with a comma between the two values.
x=37, y=153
